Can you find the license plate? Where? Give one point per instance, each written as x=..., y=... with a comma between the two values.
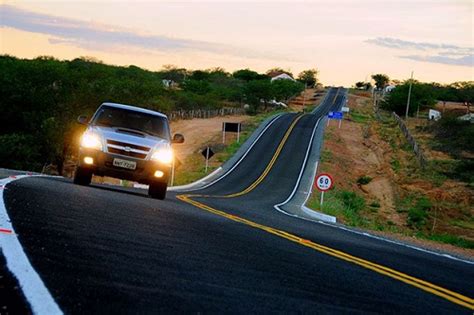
x=125, y=164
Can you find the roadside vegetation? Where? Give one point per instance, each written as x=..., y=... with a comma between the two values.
x=379, y=184
x=41, y=98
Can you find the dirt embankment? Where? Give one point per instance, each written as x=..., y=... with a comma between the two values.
x=371, y=158
x=198, y=132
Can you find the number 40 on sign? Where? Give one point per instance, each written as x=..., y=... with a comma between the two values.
x=323, y=183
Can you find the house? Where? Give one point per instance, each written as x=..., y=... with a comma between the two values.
x=169, y=84
x=468, y=117
x=282, y=76
x=389, y=88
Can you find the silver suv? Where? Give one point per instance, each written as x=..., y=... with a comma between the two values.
x=127, y=142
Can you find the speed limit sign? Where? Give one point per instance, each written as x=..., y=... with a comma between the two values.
x=324, y=182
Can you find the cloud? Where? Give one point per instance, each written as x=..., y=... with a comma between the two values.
x=435, y=53
x=108, y=38
x=462, y=61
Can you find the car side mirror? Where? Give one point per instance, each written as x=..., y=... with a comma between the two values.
x=177, y=138
x=83, y=120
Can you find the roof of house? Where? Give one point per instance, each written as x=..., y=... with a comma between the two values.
x=282, y=76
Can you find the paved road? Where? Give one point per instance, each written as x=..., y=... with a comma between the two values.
x=223, y=248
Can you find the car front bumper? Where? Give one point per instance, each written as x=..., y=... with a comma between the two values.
x=103, y=166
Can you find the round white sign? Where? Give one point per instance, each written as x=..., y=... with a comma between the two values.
x=324, y=182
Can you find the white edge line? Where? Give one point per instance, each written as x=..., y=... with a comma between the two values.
x=320, y=219
x=191, y=185
x=17, y=262
x=240, y=159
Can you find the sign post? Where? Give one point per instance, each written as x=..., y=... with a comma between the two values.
x=231, y=127
x=172, y=173
x=175, y=164
x=207, y=153
x=337, y=116
x=323, y=183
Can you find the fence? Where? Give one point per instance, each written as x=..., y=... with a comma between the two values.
x=203, y=113
x=416, y=148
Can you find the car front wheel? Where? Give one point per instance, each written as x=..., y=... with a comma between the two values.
x=157, y=190
x=82, y=176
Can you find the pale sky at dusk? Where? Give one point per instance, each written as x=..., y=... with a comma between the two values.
x=346, y=40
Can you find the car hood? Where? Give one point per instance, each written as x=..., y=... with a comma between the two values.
x=114, y=133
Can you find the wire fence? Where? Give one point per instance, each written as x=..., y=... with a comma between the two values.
x=203, y=113
x=416, y=148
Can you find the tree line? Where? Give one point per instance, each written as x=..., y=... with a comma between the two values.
x=41, y=98
x=423, y=95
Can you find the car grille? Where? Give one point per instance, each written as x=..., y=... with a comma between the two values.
x=127, y=149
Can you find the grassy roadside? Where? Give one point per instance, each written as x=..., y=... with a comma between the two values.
x=193, y=167
x=380, y=187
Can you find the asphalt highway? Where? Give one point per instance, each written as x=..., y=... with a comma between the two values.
x=224, y=248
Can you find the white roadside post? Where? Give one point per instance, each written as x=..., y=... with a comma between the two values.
x=172, y=172
x=207, y=158
x=323, y=183
x=409, y=96
x=238, y=134
x=345, y=109
x=207, y=153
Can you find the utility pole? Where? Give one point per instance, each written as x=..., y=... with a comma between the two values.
x=304, y=96
x=409, y=96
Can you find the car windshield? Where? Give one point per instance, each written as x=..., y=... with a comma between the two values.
x=123, y=118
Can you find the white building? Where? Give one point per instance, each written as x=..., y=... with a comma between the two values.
x=282, y=76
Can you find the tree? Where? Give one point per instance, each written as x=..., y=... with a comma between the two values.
x=199, y=75
x=282, y=90
x=381, y=80
x=363, y=85
x=248, y=75
x=258, y=91
x=308, y=77
x=273, y=72
x=422, y=96
x=360, y=85
x=171, y=72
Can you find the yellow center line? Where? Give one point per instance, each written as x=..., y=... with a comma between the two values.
x=267, y=169
x=421, y=284
x=413, y=281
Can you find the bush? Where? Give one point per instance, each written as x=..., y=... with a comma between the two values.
x=352, y=201
x=17, y=151
x=364, y=180
x=451, y=239
x=418, y=214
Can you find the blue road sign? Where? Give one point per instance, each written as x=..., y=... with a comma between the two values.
x=336, y=115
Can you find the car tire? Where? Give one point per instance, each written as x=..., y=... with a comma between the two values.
x=157, y=190
x=82, y=176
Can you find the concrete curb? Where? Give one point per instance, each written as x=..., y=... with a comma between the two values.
x=295, y=205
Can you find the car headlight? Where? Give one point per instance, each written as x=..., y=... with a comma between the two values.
x=163, y=155
x=91, y=141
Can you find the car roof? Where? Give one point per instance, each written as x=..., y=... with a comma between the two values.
x=136, y=109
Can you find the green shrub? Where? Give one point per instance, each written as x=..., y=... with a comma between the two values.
x=451, y=239
x=352, y=201
x=364, y=180
x=375, y=204
x=20, y=151
x=418, y=214
x=395, y=165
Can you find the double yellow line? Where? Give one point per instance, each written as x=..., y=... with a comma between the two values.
x=421, y=284
x=394, y=274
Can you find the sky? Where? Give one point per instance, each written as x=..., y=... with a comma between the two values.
x=346, y=41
